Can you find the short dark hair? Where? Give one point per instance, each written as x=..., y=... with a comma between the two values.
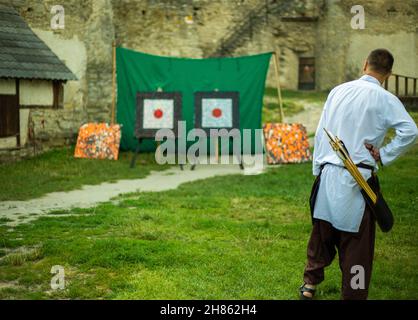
x=381, y=61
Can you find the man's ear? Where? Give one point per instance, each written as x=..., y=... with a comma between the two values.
x=365, y=65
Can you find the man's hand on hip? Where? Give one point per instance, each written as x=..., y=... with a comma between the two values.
x=373, y=151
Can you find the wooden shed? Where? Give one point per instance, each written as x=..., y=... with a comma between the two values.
x=31, y=76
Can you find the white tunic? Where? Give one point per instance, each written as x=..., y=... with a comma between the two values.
x=357, y=112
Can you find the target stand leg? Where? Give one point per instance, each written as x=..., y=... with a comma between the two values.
x=241, y=162
x=133, y=161
x=193, y=165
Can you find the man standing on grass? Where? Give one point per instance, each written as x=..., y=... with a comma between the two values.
x=359, y=112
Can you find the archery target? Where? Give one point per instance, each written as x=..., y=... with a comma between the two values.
x=155, y=111
x=216, y=113
x=217, y=110
x=158, y=114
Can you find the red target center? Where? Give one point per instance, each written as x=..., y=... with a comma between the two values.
x=217, y=112
x=158, y=113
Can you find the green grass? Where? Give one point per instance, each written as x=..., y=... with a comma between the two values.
x=58, y=170
x=293, y=102
x=294, y=95
x=271, y=111
x=241, y=237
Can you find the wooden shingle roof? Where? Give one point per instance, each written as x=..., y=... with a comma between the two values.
x=23, y=54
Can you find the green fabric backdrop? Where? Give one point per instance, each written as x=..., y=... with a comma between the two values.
x=138, y=71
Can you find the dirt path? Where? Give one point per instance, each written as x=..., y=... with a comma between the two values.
x=16, y=212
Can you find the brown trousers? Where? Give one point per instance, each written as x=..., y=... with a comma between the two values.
x=354, y=249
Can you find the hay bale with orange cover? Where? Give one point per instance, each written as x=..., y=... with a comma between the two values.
x=286, y=143
x=98, y=141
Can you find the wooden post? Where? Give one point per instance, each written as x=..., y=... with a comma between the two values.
x=18, y=111
x=158, y=155
x=279, y=93
x=113, y=81
x=217, y=149
x=406, y=86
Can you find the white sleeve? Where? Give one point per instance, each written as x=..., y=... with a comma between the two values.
x=398, y=118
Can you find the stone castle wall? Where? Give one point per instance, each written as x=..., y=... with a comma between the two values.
x=311, y=28
x=341, y=50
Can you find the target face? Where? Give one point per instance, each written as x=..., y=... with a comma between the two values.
x=157, y=110
x=216, y=110
x=158, y=113
x=217, y=113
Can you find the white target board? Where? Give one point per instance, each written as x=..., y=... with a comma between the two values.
x=155, y=111
x=217, y=113
x=158, y=114
x=217, y=110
